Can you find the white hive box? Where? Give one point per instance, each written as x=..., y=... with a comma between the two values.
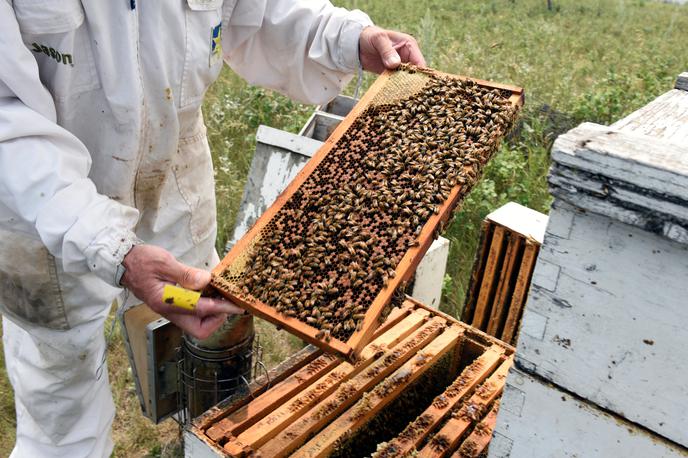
x=600, y=368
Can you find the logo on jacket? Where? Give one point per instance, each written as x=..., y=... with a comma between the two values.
x=215, y=44
x=51, y=52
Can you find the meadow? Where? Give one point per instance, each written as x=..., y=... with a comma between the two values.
x=588, y=60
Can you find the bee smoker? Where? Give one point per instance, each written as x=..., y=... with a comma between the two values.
x=215, y=368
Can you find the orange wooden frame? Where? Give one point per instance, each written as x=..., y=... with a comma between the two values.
x=404, y=270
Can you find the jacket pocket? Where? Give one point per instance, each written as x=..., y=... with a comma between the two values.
x=57, y=35
x=193, y=172
x=203, y=51
x=29, y=287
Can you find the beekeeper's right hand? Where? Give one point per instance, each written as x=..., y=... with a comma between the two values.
x=149, y=268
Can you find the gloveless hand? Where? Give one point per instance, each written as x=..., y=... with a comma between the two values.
x=149, y=268
x=381, y=49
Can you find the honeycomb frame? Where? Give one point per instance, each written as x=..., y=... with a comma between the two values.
x=391, y=86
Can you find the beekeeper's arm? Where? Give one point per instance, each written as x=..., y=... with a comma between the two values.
x=44, y=183
x=308, y=49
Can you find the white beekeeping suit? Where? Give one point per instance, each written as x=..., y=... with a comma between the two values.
x=102, y=142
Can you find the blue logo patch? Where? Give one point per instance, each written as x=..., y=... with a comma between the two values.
x=215, y=44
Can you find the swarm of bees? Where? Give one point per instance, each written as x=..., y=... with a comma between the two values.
x=337, y=241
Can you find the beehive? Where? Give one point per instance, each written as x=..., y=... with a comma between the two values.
x=510, y=240
x=424, y=378
x=325, y=260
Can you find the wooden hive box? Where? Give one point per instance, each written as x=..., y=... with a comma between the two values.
x=424, y=376
x=510, y=240
x=599, y=364
x=325, y=260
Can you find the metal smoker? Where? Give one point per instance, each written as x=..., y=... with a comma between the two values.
x=179, y=376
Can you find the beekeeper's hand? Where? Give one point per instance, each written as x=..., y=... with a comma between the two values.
x=149, y=268
x=381, y=49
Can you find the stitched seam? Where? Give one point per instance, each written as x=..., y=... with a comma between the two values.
x=193, y=139
x=185, y=71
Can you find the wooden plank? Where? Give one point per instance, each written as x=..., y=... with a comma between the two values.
x=395, y=316
x=476, y=337
x=648, y=162
x=416, y=432
x=665, y=118
x=607, y=308
x=404, y=270
x=682, y=81
x=340, y=105
x=518, y=299
x=476, y=443
x=287, y=141
x=399, y=332
x=478, y=271
x=525, y=221
x=614, y=192
x=449, y=436
x=538, y=419
x=320, y=125
x=358, y=415
x=489, y=282
x=505, y=288
x=350, y=392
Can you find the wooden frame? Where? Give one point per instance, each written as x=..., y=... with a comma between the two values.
x=283, y=419
x=476, y=443
x=449, y=436
x=417, y=431
x=323, y=443
x=510, y=241
x=404, y=270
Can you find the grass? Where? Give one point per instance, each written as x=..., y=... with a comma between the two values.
x=589, y=60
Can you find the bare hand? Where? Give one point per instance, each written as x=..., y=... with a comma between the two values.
x=381, y=49
x=149, y=268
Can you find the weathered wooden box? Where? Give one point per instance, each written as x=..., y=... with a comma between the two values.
x=599, y=362
x=426, y=383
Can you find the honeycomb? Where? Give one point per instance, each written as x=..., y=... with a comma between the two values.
x=335, y=243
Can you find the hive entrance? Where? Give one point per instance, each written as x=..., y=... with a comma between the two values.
x=325, y=260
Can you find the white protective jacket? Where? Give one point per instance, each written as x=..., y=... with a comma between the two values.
x=102, y=138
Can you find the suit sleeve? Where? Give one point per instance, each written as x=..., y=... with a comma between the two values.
x=305, y=49
x=44, y=185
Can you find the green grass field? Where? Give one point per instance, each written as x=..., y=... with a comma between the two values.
x=588, y=60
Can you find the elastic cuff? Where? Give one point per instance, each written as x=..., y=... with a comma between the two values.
x=348, y=58
x=106, y=257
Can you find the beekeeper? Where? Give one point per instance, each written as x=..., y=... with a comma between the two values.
x=106, y=177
